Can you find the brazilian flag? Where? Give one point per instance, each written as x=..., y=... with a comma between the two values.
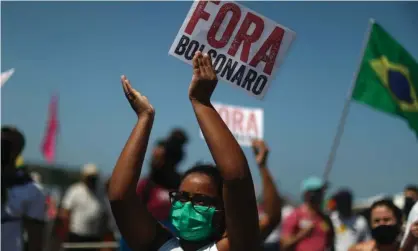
x=388, y=78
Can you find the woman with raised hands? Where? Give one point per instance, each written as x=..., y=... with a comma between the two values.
x=215, y=207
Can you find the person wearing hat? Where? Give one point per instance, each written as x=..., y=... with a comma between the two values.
x=83, y=210
x=22, y=202
x=307, y=227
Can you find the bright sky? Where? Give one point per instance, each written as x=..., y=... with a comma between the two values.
x=80, y=49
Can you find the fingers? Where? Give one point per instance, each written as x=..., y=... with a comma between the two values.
x=255, y=142
x=195, y=60
x=130, y=93
x=196, y=65
x=207, y=64
x=259, y=144
x=123, y=81
x=202, y=63
x=126, y=84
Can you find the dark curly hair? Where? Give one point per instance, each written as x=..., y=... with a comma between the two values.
x=174, y=145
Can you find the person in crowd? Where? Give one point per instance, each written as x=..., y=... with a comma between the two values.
x=272, y=202
x=385, y=221
x=308, y=228
x=269, y=203
x=22, y=201
x=112, y=232
x=83, y=212
x=411, y=197
x=410, y=239
x=214, y=207
x=272, y=242
x=163, y=176
x=350, y=229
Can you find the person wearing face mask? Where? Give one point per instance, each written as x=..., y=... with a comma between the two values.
x=83, y=212
x=411, y=197
x=350, y=229
x=308, y=228
x=385, y=221
x=214, y=208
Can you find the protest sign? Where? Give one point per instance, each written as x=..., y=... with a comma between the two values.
x=246, y=48
x=245, y=123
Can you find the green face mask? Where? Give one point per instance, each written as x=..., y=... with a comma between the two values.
x=192, y=224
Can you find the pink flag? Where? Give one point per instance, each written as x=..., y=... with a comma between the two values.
x=50, y=137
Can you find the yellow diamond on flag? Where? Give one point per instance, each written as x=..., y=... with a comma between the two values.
x=396, y=78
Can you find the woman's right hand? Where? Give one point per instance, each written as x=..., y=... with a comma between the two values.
x=138, y=102
x=204, y=78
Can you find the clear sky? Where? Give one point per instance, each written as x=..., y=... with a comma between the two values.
x=80, y=49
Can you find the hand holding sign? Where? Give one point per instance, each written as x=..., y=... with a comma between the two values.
x=139, y=103
x=204, y=78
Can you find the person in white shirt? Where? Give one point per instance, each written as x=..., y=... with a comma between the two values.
x=215, y=207
x=22, y=202
x=410, y=238
x=350, y=229
x=83, y=209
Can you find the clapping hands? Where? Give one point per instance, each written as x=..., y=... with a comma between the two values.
x=204, y=78
x=138, y=102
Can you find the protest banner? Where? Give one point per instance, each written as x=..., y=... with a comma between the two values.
x=246, y=48
x=245, y=123
x=5, y=76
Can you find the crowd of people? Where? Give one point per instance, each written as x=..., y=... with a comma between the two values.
x=211, y=207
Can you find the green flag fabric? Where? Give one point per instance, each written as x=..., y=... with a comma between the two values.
x=388, y=78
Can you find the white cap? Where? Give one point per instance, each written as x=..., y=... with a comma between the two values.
x=89, y=170
x=36, y=177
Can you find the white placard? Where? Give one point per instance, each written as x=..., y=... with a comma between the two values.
x=245, y=123
x=246, y=47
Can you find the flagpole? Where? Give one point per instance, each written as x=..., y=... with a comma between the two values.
x=346, y=109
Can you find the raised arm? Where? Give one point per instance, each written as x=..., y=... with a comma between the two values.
x=139, y=229
x=271, y=199
x=238, y=193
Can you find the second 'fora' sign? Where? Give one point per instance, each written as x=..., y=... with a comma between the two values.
x=246, y=124
x=246, y=48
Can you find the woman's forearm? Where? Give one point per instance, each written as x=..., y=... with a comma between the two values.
x=128, y=167
x=271, y=198
x=225, y=150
